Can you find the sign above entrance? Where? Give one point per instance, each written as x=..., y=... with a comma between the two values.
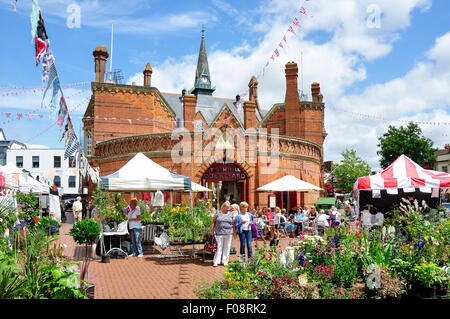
x=224, y=172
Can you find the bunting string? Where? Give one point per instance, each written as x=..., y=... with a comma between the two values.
x=21, y=90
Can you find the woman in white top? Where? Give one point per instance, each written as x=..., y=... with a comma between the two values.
x=134, y=223
x=235, y=209
x=243, y=227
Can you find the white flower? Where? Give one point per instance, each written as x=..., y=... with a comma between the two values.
x=391, y=231
x=373, y=281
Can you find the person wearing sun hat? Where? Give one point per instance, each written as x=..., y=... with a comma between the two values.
x=77, y=208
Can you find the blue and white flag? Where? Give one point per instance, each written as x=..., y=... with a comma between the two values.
x=47, y=62
x=55, y=95
x=51, y=77
x=73, y=147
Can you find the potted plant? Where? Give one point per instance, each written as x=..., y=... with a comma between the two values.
x=102, y=204
x=86, y=232
x=427, y=276
x=48, y=226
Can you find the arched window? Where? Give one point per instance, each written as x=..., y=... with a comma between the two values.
x=89, y=145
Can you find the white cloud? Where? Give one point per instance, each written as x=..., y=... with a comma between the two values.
x=420, y=94
x=337, y=63
x=127, y=15
x=30, y=100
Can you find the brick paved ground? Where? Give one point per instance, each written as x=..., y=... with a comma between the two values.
x=148, y=277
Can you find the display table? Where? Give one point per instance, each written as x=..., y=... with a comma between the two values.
x=149, y=233
x=174, y=246
x=122, y=230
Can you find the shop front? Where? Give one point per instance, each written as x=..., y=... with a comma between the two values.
x=227, y=181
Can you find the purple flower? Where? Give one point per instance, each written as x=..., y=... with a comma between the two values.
x=301, y=259
x=336, y=240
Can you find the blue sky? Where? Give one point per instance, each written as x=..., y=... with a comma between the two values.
x=361, y=69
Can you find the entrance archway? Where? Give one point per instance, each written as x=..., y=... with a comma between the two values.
x=228, y=181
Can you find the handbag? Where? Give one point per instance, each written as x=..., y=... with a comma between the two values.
x=211, y=244
x=255, y=232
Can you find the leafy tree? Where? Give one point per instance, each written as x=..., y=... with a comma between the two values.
x=85, y=231
x=351, y=168
x=408, y=141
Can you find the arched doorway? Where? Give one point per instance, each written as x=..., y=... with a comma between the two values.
x=228, y=181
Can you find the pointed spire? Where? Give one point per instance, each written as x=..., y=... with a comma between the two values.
x=202, y=77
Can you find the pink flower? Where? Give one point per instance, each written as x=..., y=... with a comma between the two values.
x=340, y=292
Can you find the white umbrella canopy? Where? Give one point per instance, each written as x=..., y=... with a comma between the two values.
x=199, y=188
x=142, y=174
x=7, y=171
x=25, y=183
x=288, y=183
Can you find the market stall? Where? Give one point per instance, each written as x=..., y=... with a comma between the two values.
x=141, y=174
x=402, y=179
x=286, y=184
x=16, y=178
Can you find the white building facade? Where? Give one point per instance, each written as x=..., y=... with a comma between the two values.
x=48, y=165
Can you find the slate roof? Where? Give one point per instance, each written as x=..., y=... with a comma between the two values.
x=208, y=105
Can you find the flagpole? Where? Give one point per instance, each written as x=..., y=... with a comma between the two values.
x=112, y=43
x=301, y=67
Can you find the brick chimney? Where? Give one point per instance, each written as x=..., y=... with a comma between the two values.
x=253, y=89
x=100, y=55
x=189, y=103
x=148, y=75
x=315, y=92
x=292, y=101
x=250, y=120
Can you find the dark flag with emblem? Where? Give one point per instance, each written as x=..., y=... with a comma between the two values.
x=40, y=40
x=66, y=128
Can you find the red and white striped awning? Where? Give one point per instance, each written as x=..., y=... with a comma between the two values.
x=403, y=172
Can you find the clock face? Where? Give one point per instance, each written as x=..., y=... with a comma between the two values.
x=204, y=80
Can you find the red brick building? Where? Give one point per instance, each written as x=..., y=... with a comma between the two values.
x=232, y=148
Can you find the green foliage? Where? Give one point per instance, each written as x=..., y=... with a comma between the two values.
x=408, y=141
x=428, y=274
x=118, y=202
x=184, y=223
x=351, y=168
x=61, y=283
x=85, y=231
x=29, y=206
x=11, y=285
x=48, y=226
x=31, y=270
x=109, y=208
x=345, y=271
x=7, y=215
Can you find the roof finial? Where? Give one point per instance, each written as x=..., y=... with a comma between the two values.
x=203, y=30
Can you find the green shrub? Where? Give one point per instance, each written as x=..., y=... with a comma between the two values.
x=85, y=231
x=48, y=226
